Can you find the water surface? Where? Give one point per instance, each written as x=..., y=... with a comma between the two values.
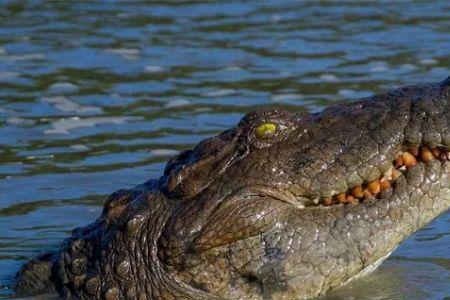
x=96, y=97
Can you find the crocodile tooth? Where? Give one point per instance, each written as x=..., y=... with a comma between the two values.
x=384, y=184
x=426, y=155
x=340, y=198
x=367, y=194
x=351, y=200
x=398, y=161
x=357, y=192
x=374, y=186
x=408, y=159
x=436, y=152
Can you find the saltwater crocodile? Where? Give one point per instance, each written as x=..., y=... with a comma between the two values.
x=282, y=206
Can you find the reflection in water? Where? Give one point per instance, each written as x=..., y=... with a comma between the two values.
x=96, y=97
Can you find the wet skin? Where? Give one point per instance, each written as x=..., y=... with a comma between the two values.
x=281, y=206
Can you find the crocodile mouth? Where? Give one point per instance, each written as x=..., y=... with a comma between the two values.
x=405, y=159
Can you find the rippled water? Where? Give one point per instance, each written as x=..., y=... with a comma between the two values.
x=96, y=97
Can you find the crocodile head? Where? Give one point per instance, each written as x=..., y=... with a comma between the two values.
x=282, y=206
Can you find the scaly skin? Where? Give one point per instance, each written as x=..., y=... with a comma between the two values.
x=236, y=217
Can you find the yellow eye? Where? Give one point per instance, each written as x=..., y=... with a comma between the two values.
x=266, y=130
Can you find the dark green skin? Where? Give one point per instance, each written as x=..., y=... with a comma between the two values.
x=226, y=220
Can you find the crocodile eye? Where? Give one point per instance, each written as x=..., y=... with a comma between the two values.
x=265, y=130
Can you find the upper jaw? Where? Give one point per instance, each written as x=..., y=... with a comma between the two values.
x=376, y=189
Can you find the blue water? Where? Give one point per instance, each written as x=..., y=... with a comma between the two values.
x=97, y=96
